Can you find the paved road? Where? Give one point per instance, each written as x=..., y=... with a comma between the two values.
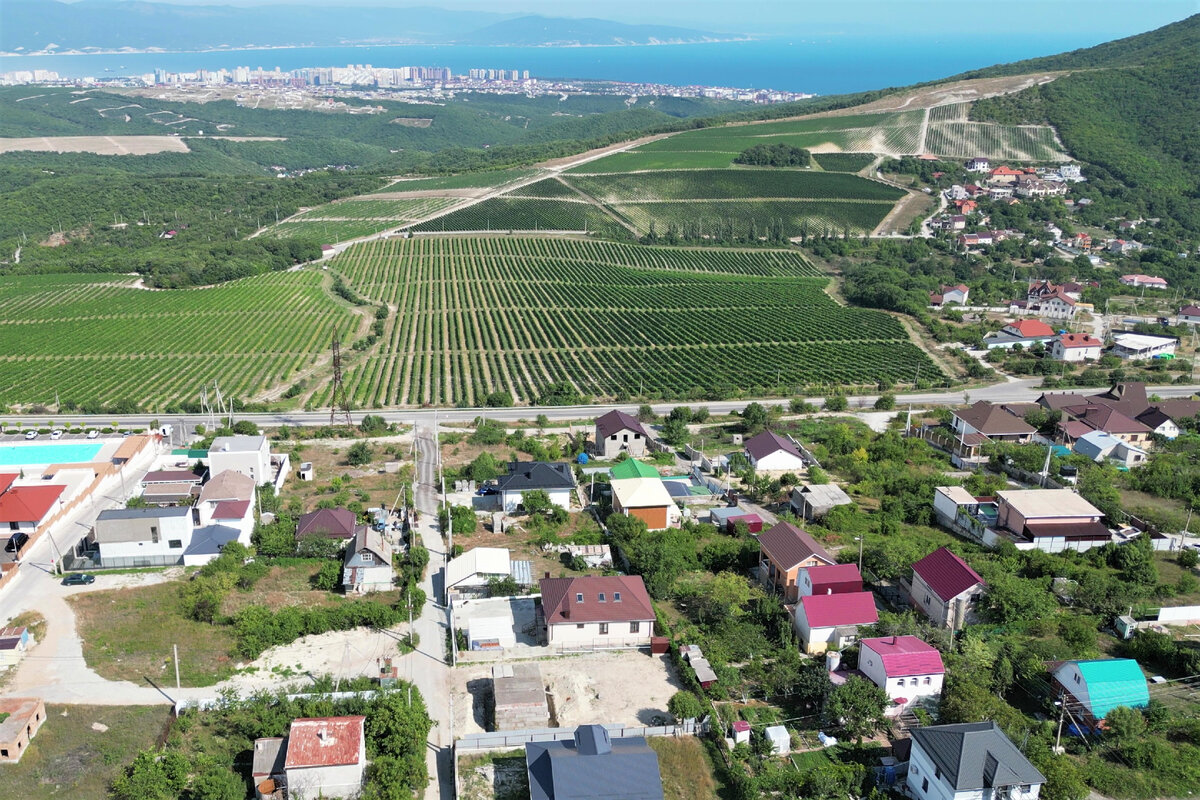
x=1027, y=390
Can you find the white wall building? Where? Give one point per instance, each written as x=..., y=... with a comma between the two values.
x=326, y=758
x=972, y=761
x=153, y=536
x=903, y=666
x=249, y=455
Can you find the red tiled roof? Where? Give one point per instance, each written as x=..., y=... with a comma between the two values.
x=614, y=421
x=769, y=442
x=788, y=546
x=6, y=480
x=1031, y=327
x=560, y=601
x=28, y=503
x=231, y=509
x=1190, y=311
x=324, y=742
x=906, y=655
x=1072, y=340
x=946, y=574
x=832, y=610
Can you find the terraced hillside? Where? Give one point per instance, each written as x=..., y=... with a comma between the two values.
x=521, y=314
x=99, y=340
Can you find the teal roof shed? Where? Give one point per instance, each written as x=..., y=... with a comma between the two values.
x=1103, y=684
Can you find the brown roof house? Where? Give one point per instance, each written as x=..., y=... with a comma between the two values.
x=982, y=423
x=1053, y=520
x=20, y=719
x=596, y=611
x=770, y=452
x=332, y=523
x=617, y=432
x=783, y=551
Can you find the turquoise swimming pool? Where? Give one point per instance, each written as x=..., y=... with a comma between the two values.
x=58, y=453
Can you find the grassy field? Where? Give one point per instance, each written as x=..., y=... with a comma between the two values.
x=520, y=314
x=70, y=758
x=98, y=339
x=687, y=772
x=638, y=160
x=128, y=633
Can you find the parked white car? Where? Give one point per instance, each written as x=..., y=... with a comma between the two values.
x=56, y=433
x=31, y=434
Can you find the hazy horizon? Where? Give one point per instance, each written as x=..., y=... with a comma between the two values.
x=1110, y=19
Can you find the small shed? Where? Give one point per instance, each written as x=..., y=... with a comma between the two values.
x=741, y=731
x=491, y=633
x=780, y=739
x=306, y=471
x=705, y=674
x=753, y=523
x=1126, y=626
x=720, y=516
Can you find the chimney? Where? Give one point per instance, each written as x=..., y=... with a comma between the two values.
x=547, y=575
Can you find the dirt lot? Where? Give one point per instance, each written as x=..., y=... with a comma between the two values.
x=616, y=687
x=101, y=145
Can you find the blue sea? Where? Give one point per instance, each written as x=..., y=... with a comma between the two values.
x=820, y=65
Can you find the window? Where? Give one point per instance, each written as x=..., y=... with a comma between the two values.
x=613, y=437
x=1025, y=787
x=367, y=558
x=927, y=599
x=1077, y=677
x=637, y=436
x=914, y=770
x=154, y=534
x=900, y=683
x=604, y=629
x=925, y=784
x=4, y=752
x=937, y=772
x=625, y=438
x=579, y=597
x=928, y=680
x=175, y=544
x=635, y=627
x=616, y=597
x=912, y=682
x=579, y=627
x=14, y=526
x=601, y=597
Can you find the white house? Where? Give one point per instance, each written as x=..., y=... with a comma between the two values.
x=556, y=479
x=770, y=452
x=249, y=455
x=26, y=507
x=1057, y=306
x=326, y=758
x=944, y=587
x=131, y=537
x=826, y=621
x=473, y=570
x=1189, y=315
x=903, y=666
x=1071, y=173
x=1103, y=446
x=617, y=432
x=969, y=762
x=1076, y=347
x=596, y=611
x=1139, y=346
x=367, y=565
x=1139, y=280
x=979, y=165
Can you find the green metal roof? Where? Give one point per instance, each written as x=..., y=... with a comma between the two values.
x=1113, y=682
x=632, y=468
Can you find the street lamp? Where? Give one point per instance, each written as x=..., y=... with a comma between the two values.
x=859, y=539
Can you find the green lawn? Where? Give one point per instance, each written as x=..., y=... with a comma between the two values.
x=687, y=773
x=128, y=633
x=69, y=758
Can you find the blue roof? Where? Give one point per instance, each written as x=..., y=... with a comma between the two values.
x=1113, y=682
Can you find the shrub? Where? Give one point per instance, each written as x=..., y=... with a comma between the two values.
x=328, y=577
x=359, y=454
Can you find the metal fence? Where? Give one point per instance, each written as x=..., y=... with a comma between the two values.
x=506, y=740
x=595, y=645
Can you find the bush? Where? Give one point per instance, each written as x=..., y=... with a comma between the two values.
x=685, y=705
x=328, y=577
x=359, y=454
x=1188, y=558
x=886, y=402
x=836, y=402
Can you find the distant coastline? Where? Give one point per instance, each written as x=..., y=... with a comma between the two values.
x=268, y=47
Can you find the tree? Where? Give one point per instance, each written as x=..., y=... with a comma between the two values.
x=754, y=417
x=317, y=545
x=373, y=423
x=152, y=776
x=359, y=454
x=536, y=501
x=856, y=707
x=646, y=414
x=498, y=400
x=218, y=783
x=836, y=402
x=722, y=597
x=484, y=468
x=817, y=476
x=487, y=432
x=685, y=705
x=675, y=432
x=1124, y=724
x=328, y=577
x=1011, y=599
x=885, y=402
x=1063, y=780
x=245, y=428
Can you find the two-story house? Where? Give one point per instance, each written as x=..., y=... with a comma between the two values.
x=972, y=761
x=618, y=432
x=367, y=565
x=905, y=667
x=945, y=589
x=596, y=611
x=1053, y=520
x=783, y=550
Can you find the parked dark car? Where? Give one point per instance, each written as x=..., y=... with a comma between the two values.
x=483, y=491
x=16, y=542
x=78, y=579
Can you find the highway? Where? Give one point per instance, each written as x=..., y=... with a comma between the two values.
x=1026, y=390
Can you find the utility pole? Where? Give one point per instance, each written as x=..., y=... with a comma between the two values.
x=175, y=647
x=860, y=552
x=1062, y=710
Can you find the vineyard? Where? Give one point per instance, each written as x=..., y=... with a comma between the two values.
x=325, y=231
x=364, y=207
x=796, y=216
x=90, y=340
x=1002, y=142
x=733, y=185
x=520, y=314
x=845, y=162
x=471, y=180
x=517, y=214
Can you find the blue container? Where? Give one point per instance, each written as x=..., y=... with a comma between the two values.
x=583, y=458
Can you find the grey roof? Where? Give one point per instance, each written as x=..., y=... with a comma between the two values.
x=269, y=756
x=593, y=766
x=237, y=444
x=824, y=494
x=527, y=475
x=976, y=755
x=144, y=513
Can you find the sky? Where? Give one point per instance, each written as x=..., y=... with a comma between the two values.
x=1110, y=18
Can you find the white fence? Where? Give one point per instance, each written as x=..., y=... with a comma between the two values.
x=507, y=740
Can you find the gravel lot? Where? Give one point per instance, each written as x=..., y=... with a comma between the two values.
x=611, y=687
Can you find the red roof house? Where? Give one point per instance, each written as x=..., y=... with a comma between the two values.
x=903, y=666
x=1029, y=328
x=830, y=579
x=612, y=610
x=827, y=621
x=332, y=523
x=25, y=508
x=945, y=589
x=326, y=757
